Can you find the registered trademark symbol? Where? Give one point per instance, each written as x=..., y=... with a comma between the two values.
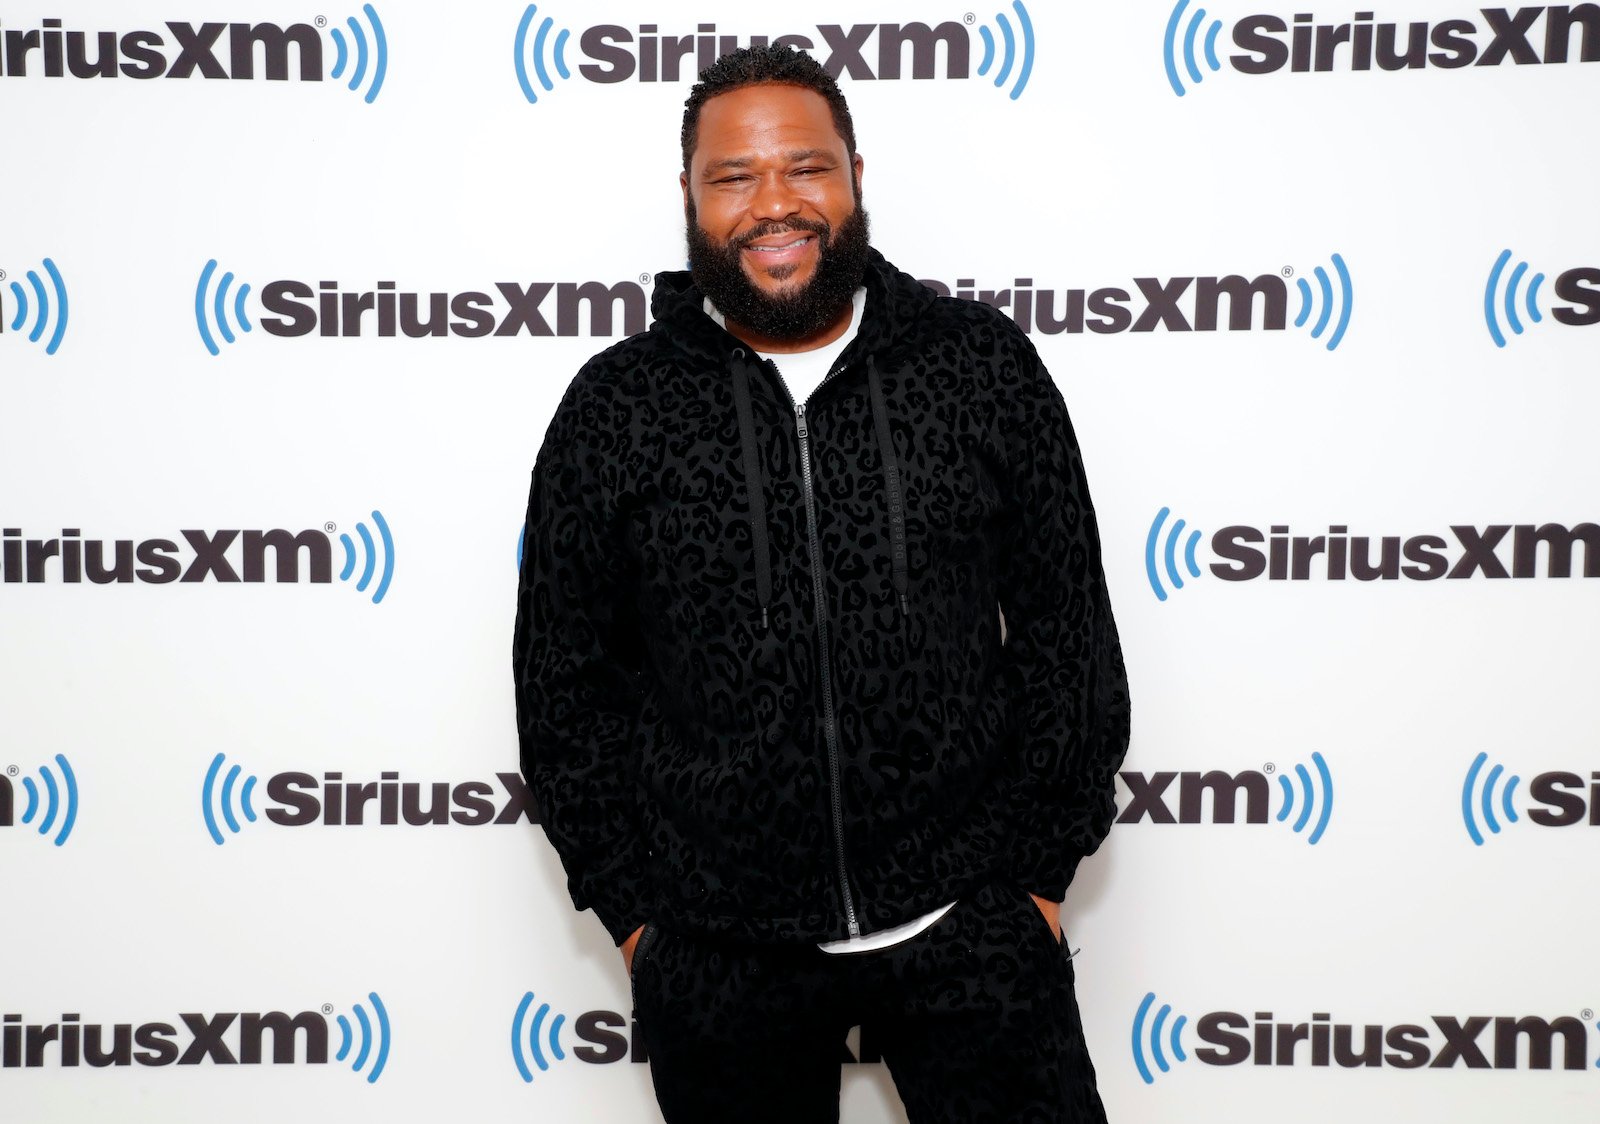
x=969, y=18
x=1288, y=271
x=2, y=275
x=1587, y=1013
x=321, y=21
x=330, y=527
x=644, y=279
x=12, y=770
x=1269, y=767
x=327, y=1008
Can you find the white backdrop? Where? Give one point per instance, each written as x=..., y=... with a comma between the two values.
x=1376, y=909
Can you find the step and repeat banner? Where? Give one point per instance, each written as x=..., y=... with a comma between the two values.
x=289, y=293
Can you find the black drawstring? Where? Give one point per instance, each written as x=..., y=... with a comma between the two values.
x=891, y=473
x=754, y=485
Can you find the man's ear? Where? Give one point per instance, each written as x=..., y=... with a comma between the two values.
x=683, y=183
x=856, y=164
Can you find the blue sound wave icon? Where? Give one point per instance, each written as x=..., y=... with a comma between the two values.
x=369, y=1038
x=542, y=53
x=530, y=1037
x=1497, y=303
x=53, y=803
x=230, y=798
x=1151, y=1035
x=1329, y=305
x=1015, y=45
x=372, y=555
x=1169, y=554
x=211, y=308
x=1479, y=797
x=1191, y=36
x=1314, y=798
x=375, y=57
x=40, y=307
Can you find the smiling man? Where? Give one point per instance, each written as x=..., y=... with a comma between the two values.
x=776, y=231
x=819, y=690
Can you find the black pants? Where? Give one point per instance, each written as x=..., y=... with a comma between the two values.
x=975, y=1017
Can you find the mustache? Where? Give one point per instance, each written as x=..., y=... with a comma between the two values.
x=790, y=226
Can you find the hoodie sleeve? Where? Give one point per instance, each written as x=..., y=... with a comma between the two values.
x=578, y=684
x=1061, y=647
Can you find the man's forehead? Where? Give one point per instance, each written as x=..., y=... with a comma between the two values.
x=767, y=119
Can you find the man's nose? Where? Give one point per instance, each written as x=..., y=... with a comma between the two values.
x=774, y=198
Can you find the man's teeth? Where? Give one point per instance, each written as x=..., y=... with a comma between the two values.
x=785, y=246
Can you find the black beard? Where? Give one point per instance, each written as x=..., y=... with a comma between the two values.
x=796, y=315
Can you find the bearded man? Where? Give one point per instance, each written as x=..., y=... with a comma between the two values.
x=819, y=691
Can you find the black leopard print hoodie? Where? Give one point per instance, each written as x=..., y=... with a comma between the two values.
x=761, y=684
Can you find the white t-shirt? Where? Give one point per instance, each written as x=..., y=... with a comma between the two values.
x=802, y=372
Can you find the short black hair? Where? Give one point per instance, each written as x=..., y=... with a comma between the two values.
x=757, y=65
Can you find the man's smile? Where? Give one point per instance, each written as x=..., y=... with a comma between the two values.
x=781, y=249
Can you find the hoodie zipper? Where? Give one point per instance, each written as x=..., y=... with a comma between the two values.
x=829, y=726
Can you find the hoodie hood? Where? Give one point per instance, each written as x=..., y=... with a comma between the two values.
x=896, y=301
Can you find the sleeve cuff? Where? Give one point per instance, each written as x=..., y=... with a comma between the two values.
x=624, y=914
x=1050, y=884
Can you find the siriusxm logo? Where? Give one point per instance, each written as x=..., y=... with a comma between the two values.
x=537, y=1038
x=1168, y=547
x=1338, y=555
x=1580, y=288
x=230, y=51
x=528, y=1038
x=43, y=313
x=50, y=805
x=204, y=555
x=1558, y=799
x=542, y=1036
x=298, y=308
x=1231, y=1038
x=369, y=1039
x=258, y=1038
x=1179, y=304
x=1191, y=33
x=301, y=799
x=353, y=59
x=1310, y=802
x=1270, y=44
x=863, y=51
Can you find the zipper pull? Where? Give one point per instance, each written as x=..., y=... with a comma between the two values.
x=800, y=417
